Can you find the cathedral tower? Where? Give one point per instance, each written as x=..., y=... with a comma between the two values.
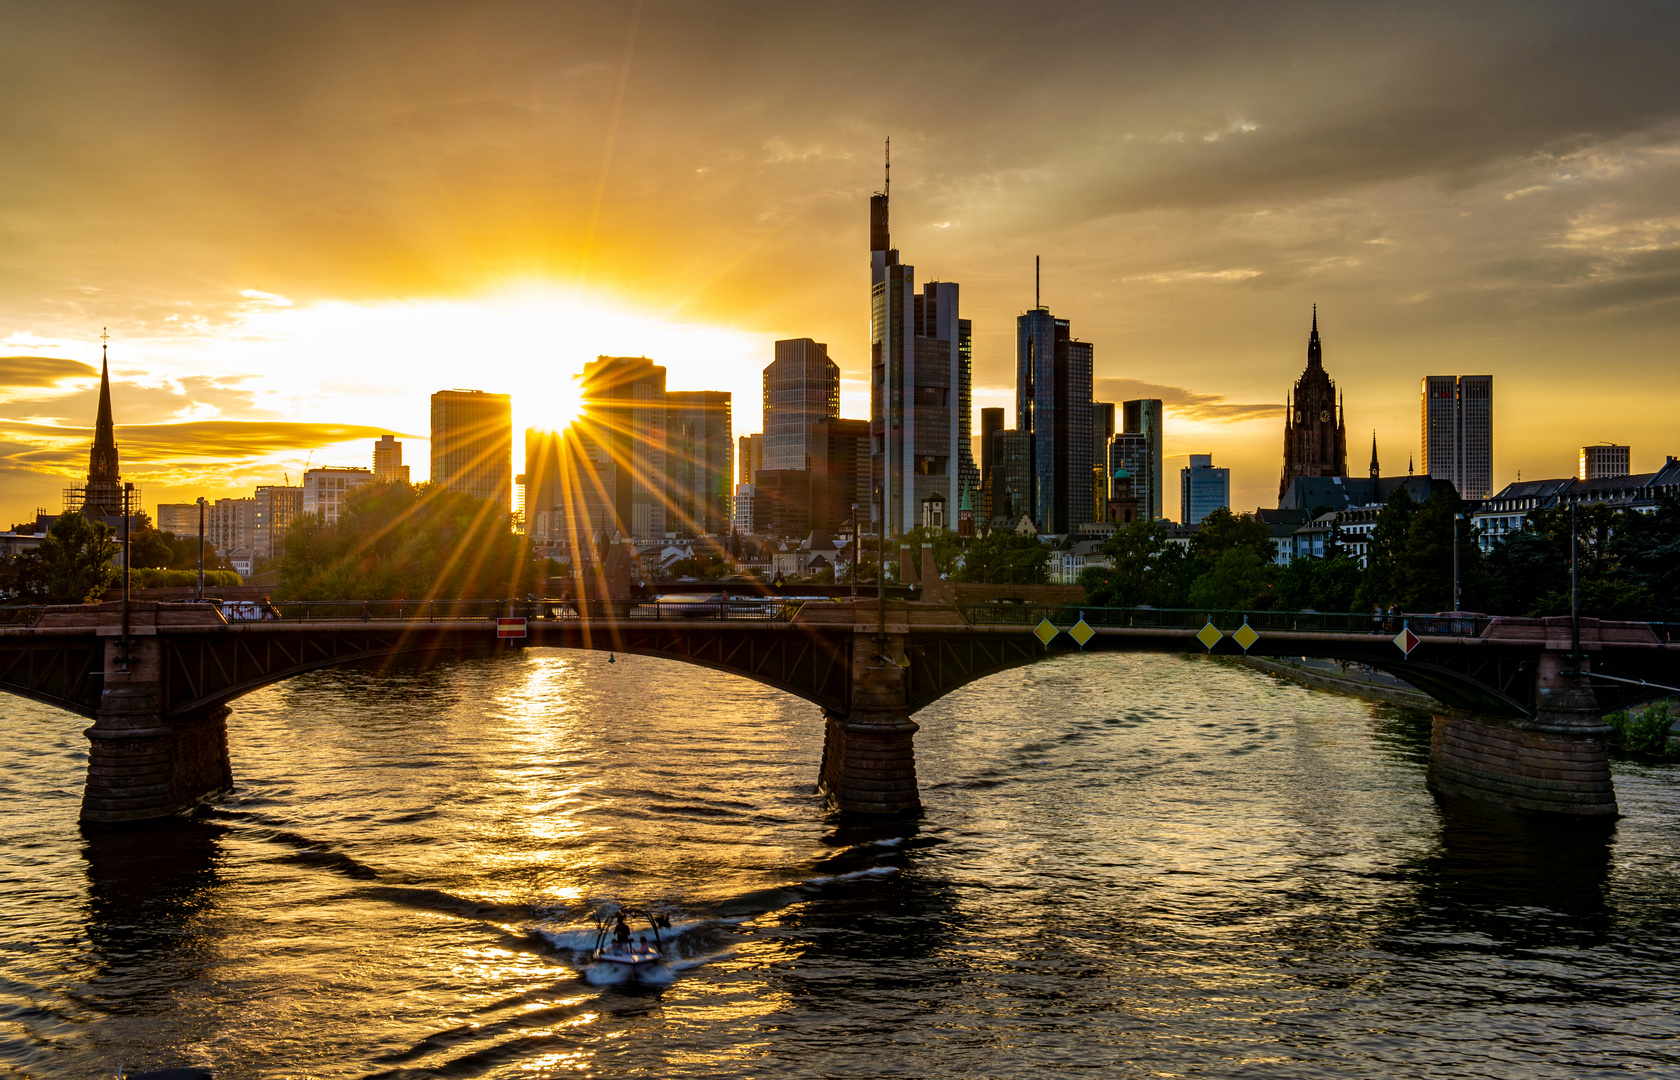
x=1314, y=431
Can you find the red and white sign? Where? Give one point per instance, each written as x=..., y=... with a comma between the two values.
x=1407, y=641
x=510, y=627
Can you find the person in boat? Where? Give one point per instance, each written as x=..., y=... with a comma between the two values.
x=642, y=945
x=621, y=932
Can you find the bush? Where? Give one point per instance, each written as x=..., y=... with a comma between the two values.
x=1646, y=733
x=178, y=579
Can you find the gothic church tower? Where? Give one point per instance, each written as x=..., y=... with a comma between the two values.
x=1314, y=431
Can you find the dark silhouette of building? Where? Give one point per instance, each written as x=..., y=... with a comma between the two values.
x=102, y=496
x=472, y=445
x=839, y=472
x=1314, y=431
x=920, y=396
x=782, y=506
x=699, y=461
x=1053, y=407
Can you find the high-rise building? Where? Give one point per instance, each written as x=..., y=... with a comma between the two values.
x=1602, y=462
x=230, y=525
x=615, y=452
x=839, y=472
x=920, y=390
x=1102, y=430
x=1053, y=373
x=472, y=445
x=1458, y=432
x=388, y=467
x=178, y=519
x=1009, y=492
x=540, y=483
x=749, y=457
x=699, y=461
x=326, y=489
x=801, y=387
x=278, y=507
x=1314, y=428
x=1202, y=489
x=1141, y=425
x=991, y=420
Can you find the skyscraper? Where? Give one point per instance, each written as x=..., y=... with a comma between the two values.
x=699, y=461
x=839, y=472
x=921, y=356
x=801, y=387
x=1139, y=453
x=472, y=445
x=1202, y=489
x=1314, y=431
x=1601, y=462
x=1102, y=430
x=326, y=490
x=1053, y=407
x=616, y=451
x=1458, y=432
x=388, y=467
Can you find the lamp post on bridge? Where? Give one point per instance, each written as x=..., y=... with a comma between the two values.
x=201, y=547
x=1457, y=596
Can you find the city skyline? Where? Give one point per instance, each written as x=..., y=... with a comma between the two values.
x=1189, y=212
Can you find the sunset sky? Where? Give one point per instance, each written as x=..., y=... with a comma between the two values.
x=298, y=220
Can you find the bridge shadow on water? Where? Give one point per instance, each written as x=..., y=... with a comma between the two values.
x=149, y=894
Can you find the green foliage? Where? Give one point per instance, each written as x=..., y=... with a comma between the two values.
x=398, y=542
x=154, y=578
x=72, y=564
x=1646, y=551
x=1319, y=584
x=1002, y=557
x=1646, y=733
x=1223, y=531
x=1148, y=568
x=947, y=549
x=1238, y=579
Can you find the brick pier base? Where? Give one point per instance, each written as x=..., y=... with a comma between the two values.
x=141, y=766
x=1557, y=763
x=869, y=763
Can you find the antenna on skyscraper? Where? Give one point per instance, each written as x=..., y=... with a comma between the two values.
x=887, y=189
x=1035, y=283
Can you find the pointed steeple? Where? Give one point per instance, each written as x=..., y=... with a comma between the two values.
x=102, y=461
x=1315, y=351
x=1375, y=470
x=103, y=494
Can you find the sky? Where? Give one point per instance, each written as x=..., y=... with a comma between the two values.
x=297, y=221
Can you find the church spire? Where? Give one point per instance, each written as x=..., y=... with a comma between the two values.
x=102, y=460
x=1375, y=470
x=1315, y=352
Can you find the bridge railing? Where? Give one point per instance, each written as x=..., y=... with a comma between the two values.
x=1192, y=619
x=20, y=614
x=488, y=610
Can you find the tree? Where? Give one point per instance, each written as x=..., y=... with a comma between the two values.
x=947, y=549
x=1003, y=557
x=1238, y=580
x=396, y=542
x=147, y=547
x=1224, y=531
x=72, y=565
x=1330, y=584
x=1385, y=554
x=1647, y=548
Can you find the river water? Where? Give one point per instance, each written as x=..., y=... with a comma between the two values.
x=1128, y=866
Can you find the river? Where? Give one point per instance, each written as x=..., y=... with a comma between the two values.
x=1128, y=866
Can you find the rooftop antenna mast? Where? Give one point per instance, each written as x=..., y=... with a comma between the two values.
x=1036, y=302
x=887, y=189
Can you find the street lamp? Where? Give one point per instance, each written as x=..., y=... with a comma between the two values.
x=1457, y=597
x=201, y=547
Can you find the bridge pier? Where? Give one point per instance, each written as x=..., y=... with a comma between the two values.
x=140, y=765
x=869, y=755
x=1557, y=763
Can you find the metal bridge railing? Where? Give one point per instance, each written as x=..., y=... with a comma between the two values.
x=1145, y=618
x=487, y=610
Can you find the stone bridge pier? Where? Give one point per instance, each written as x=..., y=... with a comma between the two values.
x=869, y=756
x=142, y=765
x=1557, y=762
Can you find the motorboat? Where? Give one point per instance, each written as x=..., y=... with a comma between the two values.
x=618, y=943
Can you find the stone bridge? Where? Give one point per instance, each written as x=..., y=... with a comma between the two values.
x=1520, y=724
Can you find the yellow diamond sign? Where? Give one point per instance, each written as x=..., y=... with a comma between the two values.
x=1082, y=632
x=1209, y=635
x=1044, y=631
x=1245, y=636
